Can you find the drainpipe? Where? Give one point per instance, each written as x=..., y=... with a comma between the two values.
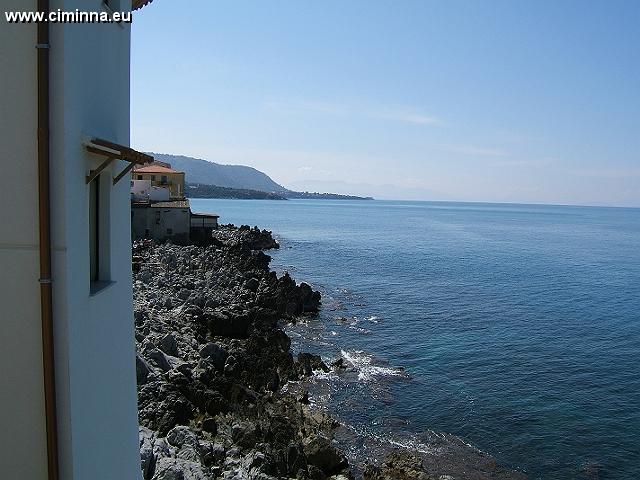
x=44, y=211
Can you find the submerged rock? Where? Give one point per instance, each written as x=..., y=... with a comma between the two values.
x=399, y=465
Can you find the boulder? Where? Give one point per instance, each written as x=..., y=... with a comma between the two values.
x=209, y=425
x=323, y=455
x=308, y=363
x=399, y=465
x=143, y=369
x=179, y=469
x=228, y=325
x=168, y=344
x=156, y=357
x=252, y=284
x=216, y=354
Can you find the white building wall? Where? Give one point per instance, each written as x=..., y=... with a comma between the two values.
x=140, y=189
x=95, y=351
x=159, y=194
x=23, y=449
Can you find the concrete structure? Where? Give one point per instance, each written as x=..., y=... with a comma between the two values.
x=163, y=177
x=96, y=436
x=202, y=225
x=161, y=221
x=143, y=191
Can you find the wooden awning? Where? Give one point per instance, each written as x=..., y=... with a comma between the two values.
x=137, y=4
x=114, y=151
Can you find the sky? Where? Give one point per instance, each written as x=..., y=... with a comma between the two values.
x=494, y=101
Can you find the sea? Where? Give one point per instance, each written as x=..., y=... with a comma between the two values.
x=513, y=329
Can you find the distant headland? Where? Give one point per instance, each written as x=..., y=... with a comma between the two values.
x=208, y=179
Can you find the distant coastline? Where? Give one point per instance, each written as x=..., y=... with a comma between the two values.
x=201, y=190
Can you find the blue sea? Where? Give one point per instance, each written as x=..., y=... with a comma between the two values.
x=515, y=328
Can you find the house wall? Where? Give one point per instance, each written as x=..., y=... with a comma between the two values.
x=140, y=189
x=176, y=219
x=158, y=220
x=23, y=451
x=175, y=182
x=159, y=194
x=95, y=350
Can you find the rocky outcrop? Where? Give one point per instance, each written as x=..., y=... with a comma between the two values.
x=211, y=361
x=400, y=465
x=252, y=238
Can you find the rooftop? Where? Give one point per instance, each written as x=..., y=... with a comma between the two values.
x=156, y=169
x=200, y=214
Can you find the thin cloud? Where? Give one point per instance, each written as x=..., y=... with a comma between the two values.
x=475, y=151
x=607, y=172
x=305, y=106
x=406, y=117
x=394, y=115
x=535, y=162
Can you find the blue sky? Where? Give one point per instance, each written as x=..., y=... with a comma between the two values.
x=507, y=101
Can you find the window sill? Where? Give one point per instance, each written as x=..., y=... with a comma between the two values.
x=96, y=288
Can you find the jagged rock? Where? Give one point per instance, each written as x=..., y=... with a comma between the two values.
x=216, y=354
x=244, y=434
x=308, y=362
x=181, y=435
x=338, y=364
x=156, y=357
x=147, y=456
x=179, y=469
x=322, y=454
x=209, y=425
x=169, y=345
x=143, y=369
x=252, y=284
x=304, y=398
x=399, y=465
x=231, y=326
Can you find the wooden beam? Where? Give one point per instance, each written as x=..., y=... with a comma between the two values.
x=123, y=173
x=126, y=153
x=94, y=173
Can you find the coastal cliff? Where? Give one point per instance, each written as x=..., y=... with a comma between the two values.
x=212, y=361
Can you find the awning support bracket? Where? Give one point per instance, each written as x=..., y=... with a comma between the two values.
x=113, y=151
x=123, y=173
x=94, y=173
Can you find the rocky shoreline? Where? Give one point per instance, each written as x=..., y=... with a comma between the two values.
x=212, y=361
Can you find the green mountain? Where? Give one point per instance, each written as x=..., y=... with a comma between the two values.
x=213, y=180
x=229, y=176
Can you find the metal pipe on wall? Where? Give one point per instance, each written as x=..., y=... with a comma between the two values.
x=44, y=213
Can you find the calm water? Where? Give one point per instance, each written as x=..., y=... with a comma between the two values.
x=517, y=326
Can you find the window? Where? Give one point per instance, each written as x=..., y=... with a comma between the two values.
x=99, y=235
x=94, y=228
x=153, y=178
x=139, y=177
x=163, y=179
